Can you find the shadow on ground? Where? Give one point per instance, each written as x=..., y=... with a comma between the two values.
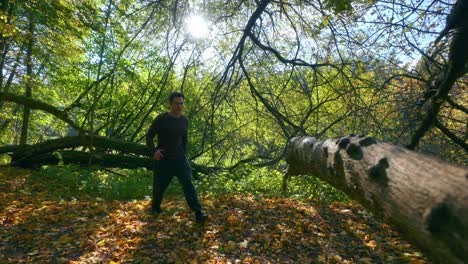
x=242, y=229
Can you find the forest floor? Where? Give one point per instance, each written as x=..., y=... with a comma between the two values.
x=36, y=227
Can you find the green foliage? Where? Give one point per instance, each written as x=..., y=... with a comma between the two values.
x=338, y=6
x=119, y=60
x=268, y=183
x=59, y=157
x=71, y=181
x=5, y=159
x=312, y=188
x=7, y=29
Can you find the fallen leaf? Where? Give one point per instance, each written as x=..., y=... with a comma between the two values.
x=65, y=239
x=244, y=244
x=230, y=246
x=366, y=260
x=372, y=244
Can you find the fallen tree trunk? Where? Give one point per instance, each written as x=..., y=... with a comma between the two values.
x=102, y=143
x=108, y=153
x=85, y=158
x=426, y=198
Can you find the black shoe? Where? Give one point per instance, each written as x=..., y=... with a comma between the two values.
x=156, y=211
x=200, y=217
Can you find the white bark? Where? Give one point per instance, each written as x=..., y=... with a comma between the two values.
x=425, y=197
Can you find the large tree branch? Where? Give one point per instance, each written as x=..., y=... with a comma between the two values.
x=458, y=57
x=105, y=160
x=36, y=104
x=103, y=143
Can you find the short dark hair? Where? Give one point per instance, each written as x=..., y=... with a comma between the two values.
x=174, y=95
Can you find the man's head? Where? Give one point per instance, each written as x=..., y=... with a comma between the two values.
x=176, y=102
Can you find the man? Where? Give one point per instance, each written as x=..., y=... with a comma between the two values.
x=170, y=155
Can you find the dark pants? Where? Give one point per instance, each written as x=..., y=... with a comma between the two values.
x=163, y=173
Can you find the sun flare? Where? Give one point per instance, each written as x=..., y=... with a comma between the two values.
x=197, y=27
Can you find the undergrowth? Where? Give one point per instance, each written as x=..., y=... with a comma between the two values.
x=74, y=182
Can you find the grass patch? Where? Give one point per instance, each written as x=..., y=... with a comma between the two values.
x=72, y=181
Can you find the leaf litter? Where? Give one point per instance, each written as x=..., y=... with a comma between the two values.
x=36, y=228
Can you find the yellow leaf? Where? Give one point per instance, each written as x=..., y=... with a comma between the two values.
x=372, y=244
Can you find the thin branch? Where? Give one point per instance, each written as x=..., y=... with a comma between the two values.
x=451, y=135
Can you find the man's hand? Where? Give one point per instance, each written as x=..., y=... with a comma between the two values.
x=158, y=154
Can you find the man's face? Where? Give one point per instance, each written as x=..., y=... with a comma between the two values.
x=177, y=105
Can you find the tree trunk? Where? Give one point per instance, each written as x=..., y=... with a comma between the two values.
x=29, y=80
x=438, y=90
x=426, y=198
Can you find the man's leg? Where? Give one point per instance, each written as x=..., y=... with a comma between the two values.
x=184, y=175
x=162, y=176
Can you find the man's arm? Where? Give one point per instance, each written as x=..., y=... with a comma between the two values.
x=184, y=139
x=151, y=133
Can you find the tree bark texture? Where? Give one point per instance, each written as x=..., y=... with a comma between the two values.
x=426, y=198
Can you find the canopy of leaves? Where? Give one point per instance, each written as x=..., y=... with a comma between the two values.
x=266, y=71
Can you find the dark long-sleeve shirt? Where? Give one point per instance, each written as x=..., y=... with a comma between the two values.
x=172, y=136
